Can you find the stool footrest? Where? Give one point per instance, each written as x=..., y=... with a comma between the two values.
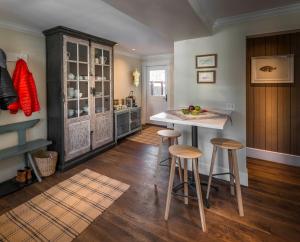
x=224, y=173
x=161, y=163
x=192, y=186
x=180, y=186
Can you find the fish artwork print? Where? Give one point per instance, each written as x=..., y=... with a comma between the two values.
x=268, y=68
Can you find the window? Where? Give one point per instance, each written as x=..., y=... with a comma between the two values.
x=157, y=82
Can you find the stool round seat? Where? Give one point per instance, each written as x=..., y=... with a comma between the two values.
x=185, y=151
x=168, y=133
x=229, y=144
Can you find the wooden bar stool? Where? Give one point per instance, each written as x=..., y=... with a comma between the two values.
x=186, y=152
x=232, y=146
x=172, y=136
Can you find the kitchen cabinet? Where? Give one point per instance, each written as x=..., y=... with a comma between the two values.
x=127, y=121
x=79, y=94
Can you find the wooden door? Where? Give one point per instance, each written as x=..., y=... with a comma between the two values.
x=77, y=118
x=102, y=108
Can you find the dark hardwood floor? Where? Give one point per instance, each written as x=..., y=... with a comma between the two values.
x=271, y=202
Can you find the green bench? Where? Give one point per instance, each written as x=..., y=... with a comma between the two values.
x=24, y=147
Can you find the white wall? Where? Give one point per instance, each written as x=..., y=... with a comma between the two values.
x=12, y=41
x=17, y=42
x=230, y=45
x=124, y=65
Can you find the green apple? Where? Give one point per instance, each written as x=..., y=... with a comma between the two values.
x=198, y=108
x=185, y=111
x=195, y=112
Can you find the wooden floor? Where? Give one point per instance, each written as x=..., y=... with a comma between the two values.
x=271, y=203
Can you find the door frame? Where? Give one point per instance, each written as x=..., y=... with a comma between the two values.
x=152, y=61
x=148, y=68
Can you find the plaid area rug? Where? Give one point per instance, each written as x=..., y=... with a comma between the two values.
x=147, y=136
x=62, y=212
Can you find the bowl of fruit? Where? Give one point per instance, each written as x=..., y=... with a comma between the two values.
x=193, y=110
x=185, y=111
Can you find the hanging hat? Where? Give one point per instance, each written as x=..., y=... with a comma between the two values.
x=2, y=59
x=7, y=92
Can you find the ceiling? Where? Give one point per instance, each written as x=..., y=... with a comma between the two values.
x=217, y=9
x=149, y=26
x=176, y=20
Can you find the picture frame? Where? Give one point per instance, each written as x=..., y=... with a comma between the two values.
x=206, y=61
x=206, y=76
x=272, y=69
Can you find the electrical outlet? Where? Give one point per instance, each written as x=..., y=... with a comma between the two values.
x=230, y=106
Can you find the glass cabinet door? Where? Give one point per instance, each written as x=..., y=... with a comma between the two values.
x=98, y=80
x=102, y=71
x=102, y=92
x=77, y=135
x=77, y=78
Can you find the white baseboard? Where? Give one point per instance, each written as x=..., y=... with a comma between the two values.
x=287, y=159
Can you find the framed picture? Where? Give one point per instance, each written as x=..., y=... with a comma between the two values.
x=206, y=61
x=272, y=69
x=206, y=76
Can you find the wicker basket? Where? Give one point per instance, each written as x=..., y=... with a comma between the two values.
x=46, y=162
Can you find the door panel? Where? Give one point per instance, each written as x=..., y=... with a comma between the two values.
x=102, y=108
x=103, y=129
x=77, y=139
x=157, y=79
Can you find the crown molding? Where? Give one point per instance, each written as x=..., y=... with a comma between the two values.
x=293, y=8
x=199, y=10
x=20, y=28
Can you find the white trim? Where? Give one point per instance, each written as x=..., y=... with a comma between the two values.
x=292, y=8
x=292, y=160
x=199, y=9
x=162, y=58
x=20, y=28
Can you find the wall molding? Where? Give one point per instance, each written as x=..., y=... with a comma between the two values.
x=20, y=28
x=287, y=159
x=292, y=8
x=199, y=9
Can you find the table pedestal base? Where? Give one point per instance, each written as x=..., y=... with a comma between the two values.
x=191, y=179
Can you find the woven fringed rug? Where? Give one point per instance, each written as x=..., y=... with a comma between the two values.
x=147, y=136
x=62, y=212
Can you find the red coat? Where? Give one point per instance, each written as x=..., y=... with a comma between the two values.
x=26, y=90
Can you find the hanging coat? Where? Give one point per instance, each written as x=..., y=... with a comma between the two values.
x=26, y=90
x=8, y=94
